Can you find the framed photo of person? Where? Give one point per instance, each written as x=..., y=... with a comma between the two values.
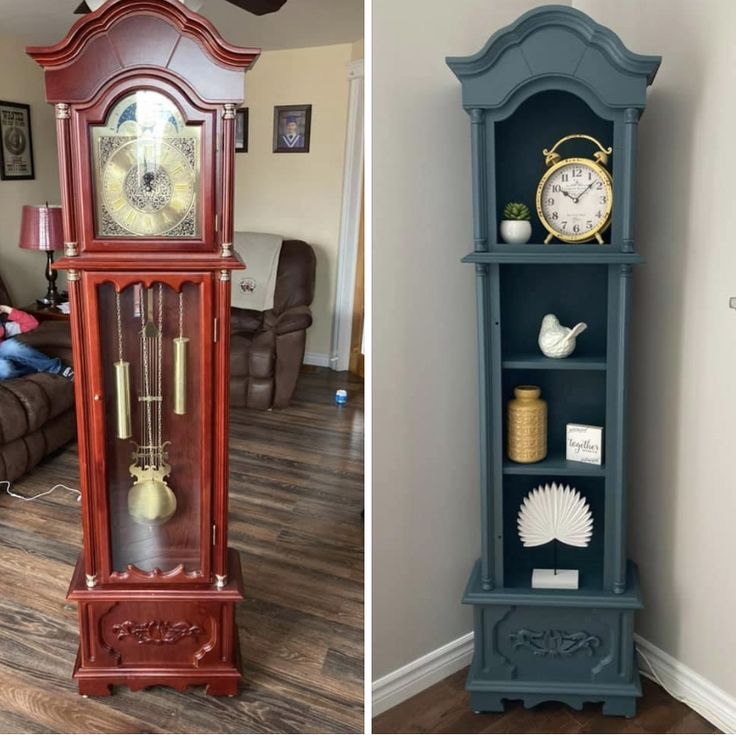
x=16, y=146
x=291, y=128
x=241, y=130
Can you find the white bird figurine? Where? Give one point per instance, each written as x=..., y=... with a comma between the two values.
x=558, y=341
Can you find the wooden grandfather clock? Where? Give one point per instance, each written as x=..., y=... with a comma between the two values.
x=145, y=94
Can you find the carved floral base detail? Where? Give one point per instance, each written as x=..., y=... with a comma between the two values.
x=156, y=632
x=555, y=642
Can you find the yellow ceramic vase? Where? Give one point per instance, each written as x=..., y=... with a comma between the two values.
x=527, y=425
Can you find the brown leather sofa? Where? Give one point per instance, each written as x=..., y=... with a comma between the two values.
x=267, y=348
x=36, y=412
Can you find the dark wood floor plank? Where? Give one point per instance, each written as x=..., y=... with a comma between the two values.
x=693, y=723
x=444, y=708
x=296, y=497
x=58, y=711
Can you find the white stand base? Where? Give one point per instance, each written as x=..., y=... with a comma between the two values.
x=546, y=579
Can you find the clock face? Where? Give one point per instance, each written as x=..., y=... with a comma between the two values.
x=146, y=171
x=574, y=199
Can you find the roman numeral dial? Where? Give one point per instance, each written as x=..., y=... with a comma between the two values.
x=148, y=191
x=146, y=161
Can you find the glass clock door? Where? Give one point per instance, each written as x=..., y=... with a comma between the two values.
x=155, y=368
x=146, y=170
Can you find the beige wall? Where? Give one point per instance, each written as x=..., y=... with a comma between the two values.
x=298, y=195
x=683, y=401
x=425, y=438
x=22, y=81
x=358, y=51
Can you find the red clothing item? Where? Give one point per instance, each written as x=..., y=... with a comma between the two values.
x=21, y=323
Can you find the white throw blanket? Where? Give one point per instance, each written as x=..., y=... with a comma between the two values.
x=254, y=288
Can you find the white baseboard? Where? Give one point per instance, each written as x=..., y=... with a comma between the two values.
x=317, y=359
x=399, y=685
x=687, y=685
x=680, y=680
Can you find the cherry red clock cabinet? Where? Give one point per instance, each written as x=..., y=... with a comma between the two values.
x=145, y=93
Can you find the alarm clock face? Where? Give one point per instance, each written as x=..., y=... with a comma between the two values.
x=146, y=170
x=574, y=199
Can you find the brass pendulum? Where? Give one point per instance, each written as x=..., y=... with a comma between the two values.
x=151, y=501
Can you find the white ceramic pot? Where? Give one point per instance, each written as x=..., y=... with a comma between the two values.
x=516, y=231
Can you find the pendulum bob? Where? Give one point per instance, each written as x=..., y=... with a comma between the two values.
x=151, y=502
x=122, y=399
x=180, y=375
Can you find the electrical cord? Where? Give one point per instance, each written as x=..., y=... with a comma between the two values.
x=39, y=495
x=652, y=674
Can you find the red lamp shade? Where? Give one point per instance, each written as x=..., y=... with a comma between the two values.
x=41, y=228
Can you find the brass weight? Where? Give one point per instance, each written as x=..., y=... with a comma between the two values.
x=181, y=345
x=122, y=399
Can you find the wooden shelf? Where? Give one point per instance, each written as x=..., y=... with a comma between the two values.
x=517, y=591
x=554, y=464
x=540, y=362
x=552, y=254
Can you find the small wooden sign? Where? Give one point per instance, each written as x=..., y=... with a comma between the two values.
x=585, y=443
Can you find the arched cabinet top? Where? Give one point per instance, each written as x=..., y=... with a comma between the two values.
x=554, y=47
x=128, y=34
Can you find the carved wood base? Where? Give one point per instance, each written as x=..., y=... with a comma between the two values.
x=220, y=683
x=155, y=634
x=617, y=706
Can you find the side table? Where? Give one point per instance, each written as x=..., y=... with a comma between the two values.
x=45, y=313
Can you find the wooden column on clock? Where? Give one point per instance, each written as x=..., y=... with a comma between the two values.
x=145, y=94
x=552, y=74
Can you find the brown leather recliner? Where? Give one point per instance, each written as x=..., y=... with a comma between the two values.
x=36, y=412
x=267, y=347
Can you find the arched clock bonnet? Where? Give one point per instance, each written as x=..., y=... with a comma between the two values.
x=556, y=49
x=184, y=57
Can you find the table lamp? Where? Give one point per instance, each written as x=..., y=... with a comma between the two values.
x=41, y=229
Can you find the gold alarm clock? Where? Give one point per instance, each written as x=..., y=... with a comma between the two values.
x=575, y=195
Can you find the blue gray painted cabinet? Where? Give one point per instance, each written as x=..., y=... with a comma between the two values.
x=552, y=72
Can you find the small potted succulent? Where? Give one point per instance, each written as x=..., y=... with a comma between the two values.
x=515, y=225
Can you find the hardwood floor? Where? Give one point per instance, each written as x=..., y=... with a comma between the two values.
x=443, y=708
x=296, y=496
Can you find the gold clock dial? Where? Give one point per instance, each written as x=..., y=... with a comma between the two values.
x=146, y=166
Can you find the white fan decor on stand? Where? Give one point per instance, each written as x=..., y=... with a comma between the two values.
x=552, y=513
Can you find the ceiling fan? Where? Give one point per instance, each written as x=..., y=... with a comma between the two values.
x=257, y=7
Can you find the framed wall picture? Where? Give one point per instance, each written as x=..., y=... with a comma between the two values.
x=291, y=128
x=241, y=130
x=16, y=146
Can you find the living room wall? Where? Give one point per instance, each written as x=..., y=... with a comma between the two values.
x=22, y=81
x=299, y=195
